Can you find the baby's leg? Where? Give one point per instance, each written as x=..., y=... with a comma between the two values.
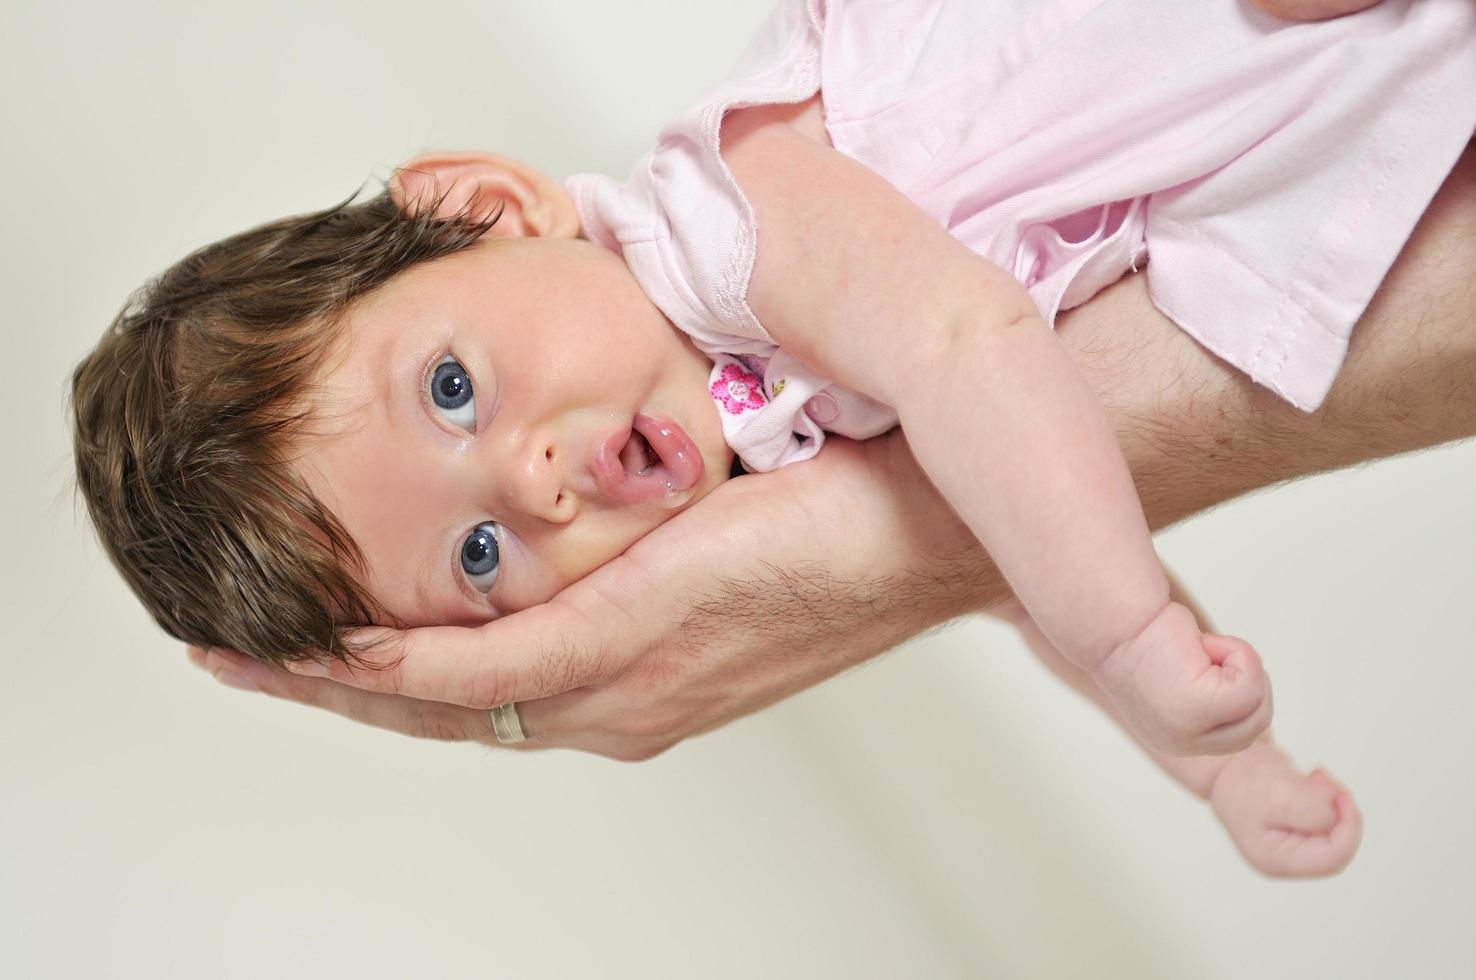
x=1285, y=824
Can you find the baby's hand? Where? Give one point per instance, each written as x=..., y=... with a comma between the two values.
x=1286, y=824
x=1187, y=692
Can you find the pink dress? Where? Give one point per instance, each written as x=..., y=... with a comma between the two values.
x=1269, y=172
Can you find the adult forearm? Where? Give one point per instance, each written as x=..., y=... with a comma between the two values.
x=1409, y=380
x=1201, y=433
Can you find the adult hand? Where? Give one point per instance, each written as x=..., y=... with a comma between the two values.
x=776, y=582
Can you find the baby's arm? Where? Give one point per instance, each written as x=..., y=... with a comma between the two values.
x=1006, y=427
x=856, y=281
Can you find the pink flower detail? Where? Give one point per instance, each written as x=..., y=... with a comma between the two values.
x=738, y=390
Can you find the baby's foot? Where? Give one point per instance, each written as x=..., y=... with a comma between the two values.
x=1286, y=824
x=1187, y=692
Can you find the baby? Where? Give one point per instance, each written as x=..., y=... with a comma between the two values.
x=445, y=404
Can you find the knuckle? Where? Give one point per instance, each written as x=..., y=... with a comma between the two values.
x=654, y=675
x=630, y=726
x=488, y=688
x=279, y=683
x=639, y=751
x=654, y=726
x=565, y=665
x=436, y=725
x=559, y=668
x=619, y=751
x=388, y=680
x=649, y=725
x=659, y=747
x=628, y=755
x=352, y=707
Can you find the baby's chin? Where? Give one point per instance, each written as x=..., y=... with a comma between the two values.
x=719, y=465
x=722, y=466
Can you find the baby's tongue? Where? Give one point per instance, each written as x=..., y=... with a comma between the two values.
x=636, y=455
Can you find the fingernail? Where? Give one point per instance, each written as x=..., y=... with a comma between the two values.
x=239, y=681
x=308, y=668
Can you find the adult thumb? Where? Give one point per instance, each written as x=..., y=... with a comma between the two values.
x=1312, y=9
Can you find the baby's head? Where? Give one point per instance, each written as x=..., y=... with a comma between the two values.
x=425, y=408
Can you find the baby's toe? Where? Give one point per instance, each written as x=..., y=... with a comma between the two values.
x=1312, y=854
x=1223, y=649
x=1239, y=679
x=1305, y=804
x=1286, y=824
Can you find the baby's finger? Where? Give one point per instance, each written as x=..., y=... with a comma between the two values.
x=418, y=719
x=536, y=653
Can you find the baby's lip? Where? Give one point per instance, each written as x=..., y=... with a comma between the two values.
x=677, y=469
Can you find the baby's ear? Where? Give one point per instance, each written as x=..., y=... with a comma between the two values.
x=479, y=184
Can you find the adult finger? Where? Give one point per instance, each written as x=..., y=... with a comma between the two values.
x=418, y=719
x=536, y=653
x=1312, y=9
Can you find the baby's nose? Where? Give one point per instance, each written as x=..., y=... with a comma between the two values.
x=538, y=485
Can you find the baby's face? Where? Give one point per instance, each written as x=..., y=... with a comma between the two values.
x=502, y=421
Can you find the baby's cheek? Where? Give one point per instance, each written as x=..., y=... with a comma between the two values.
x=538, y=567
x=525, y=577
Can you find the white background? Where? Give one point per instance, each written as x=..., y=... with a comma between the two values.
x=153, y=823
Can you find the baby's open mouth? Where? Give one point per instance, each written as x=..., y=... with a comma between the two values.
x=653, y=460
x=637, y=456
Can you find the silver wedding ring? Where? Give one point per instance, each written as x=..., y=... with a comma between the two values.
x=505, y=724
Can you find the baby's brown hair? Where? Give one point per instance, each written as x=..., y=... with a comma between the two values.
x=184, y=415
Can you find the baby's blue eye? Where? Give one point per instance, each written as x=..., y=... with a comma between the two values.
x=451, y=390
x=479, y=557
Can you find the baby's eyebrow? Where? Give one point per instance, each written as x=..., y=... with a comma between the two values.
x=392, y=393
x=393, y=403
